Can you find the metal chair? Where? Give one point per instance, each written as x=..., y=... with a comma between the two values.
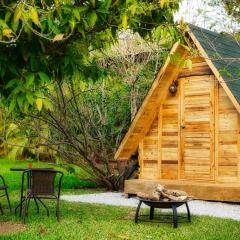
x=4, y=188
x=40, y=184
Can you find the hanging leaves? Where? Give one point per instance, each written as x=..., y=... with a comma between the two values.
x=91, y=25
x=33, y=13
x=39, y=104
x=17, y=13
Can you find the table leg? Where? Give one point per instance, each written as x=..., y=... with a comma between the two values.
x=151, y=213
x=137, y=211
x=188, y=212
x=175, y=217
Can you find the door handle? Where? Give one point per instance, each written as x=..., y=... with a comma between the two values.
x=183, y=126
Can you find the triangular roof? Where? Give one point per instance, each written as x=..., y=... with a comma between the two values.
x=220, y=53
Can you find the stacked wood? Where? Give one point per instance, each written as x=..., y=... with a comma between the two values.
x=160, y=193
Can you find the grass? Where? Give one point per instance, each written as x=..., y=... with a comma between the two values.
x=70, y=181
x=93, y=221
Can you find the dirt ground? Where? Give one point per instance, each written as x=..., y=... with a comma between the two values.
x=10, y=227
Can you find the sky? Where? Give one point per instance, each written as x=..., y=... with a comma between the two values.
x=204, y=13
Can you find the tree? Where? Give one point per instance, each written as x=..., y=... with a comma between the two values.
x=37, y=38
x=49, y=53
x=232, y=8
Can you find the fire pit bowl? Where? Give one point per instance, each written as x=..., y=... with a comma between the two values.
x=163, y=205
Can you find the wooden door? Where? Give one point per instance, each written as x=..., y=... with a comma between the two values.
x=197, y=128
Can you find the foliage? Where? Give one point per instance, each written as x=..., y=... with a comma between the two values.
x=88, y=120
x=50, y=40
x=104, y=222
x=232, y=8
x=12, y=139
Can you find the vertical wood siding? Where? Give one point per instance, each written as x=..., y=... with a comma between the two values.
x=208, y=148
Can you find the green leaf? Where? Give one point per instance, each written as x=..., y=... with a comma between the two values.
x=76, y=13
x=92, y=19
x=39, y=104
x=81, y=30
x=8, y=16
x=124, y=21
x=20, y=100
x=26, y=106
x=158, y=33
x=47, y=104
x=133, y=9
x=30, y=98
x=12, y=104
x=11, y=83
x=17, y=14
x=72, y=23
x=30, y=79
x=33, y=13
x=44, y=77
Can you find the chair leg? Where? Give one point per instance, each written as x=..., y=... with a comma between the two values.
x=58, y=210
x=8, y=200
x=43, y=205
x=35, y=200
x=1, y=209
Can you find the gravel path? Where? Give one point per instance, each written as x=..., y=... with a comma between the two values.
x=197, y=207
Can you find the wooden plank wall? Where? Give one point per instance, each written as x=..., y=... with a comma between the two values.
x=228, y=139
x=148, y=156
x=197, y=137
x=160, y=151
x=170, y=137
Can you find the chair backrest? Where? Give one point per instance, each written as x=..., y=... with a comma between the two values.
x=42, y=181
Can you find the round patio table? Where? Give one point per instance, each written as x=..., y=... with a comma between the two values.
x=163, y=205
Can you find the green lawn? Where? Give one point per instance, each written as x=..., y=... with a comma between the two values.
x=92, y=221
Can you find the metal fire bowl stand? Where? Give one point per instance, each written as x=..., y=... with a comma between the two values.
x=164, y=218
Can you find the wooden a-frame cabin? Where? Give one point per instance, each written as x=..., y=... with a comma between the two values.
x=190, y=140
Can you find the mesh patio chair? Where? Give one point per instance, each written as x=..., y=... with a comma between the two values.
x=40, y=184
x=3, y=193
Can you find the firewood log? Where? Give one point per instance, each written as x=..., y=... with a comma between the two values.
x=155, y=196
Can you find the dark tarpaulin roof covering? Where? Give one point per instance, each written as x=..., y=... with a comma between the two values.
x=224, y=52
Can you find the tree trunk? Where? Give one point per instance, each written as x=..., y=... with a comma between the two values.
x=133, y=101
